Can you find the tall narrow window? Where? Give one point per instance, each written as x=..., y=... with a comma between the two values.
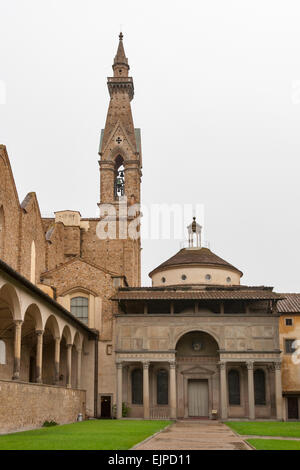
x=137, y=387
x=33, y=263
x=1, y=232
x=259, y=387
x=80, y=308
x=234, y=387
x=119, y=188
x=162, y=387
x=2, y=352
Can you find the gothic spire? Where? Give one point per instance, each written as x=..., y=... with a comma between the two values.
x=120, y=58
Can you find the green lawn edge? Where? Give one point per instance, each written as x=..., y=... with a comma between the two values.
x=266, y=428
x=86, y=435
x=274, y=444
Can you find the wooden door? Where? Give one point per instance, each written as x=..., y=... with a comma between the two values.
x=106, y=407
x=198, y=398
x=293, y=412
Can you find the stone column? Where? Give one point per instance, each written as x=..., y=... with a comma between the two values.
x=278, y=391
x=173, y=389
x=17, y=349
x=69, y=365
x=39, y=356
x=223, y=390
x=119, y=389
x=78, y=384
x=251, y=401
x=57, y=360
x=146, y=400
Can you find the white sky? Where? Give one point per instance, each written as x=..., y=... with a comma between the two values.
x=217, y=96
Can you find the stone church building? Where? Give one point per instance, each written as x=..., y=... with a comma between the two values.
x=78, y=333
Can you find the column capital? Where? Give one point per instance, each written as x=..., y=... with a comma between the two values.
x=18, y=322
x=39, y=332
x=277, y=365
x=146, y=365
x=250, y=365
x=119, y=365
x=172, y=364
x=69, y=346
x=222, y=365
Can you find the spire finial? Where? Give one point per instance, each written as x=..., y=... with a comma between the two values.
x=120, y=57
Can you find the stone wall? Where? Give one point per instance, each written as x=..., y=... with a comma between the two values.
x=26, y=406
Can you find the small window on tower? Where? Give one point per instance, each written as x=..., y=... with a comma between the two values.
x=183, y=277
x=208, y=277
x=289, y=322
x=119, y=188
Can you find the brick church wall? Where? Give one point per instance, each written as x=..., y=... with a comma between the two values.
x=10, y=203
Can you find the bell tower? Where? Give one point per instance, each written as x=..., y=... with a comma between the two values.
x=120, y=170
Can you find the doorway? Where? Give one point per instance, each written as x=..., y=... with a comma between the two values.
x=293, y=411
x=105, y=406
x=198, y=398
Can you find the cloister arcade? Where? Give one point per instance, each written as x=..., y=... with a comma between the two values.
x=40, y=342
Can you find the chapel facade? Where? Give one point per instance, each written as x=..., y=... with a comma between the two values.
x=76, y=326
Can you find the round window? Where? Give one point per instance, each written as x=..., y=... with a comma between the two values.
x=183, y=277
x=208, y=277
x=228, y=279
x=163, y=279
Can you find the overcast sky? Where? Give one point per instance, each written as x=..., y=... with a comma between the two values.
x=217, y=96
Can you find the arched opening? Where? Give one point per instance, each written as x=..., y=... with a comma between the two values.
x=259, y=387
x=137, y=387
x=162, y=386
x=32, y=263
x=9, y=311
x=65, y=343
x=80, y=308
x=197, y=357
x=234, y=394
x=74, y=367
x=2, y=230
x=119, y=177
x=51, y=332
x=32, y=322
x=197, y=343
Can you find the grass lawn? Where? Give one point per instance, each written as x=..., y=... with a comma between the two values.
x=265, y=428
x=274, y=444
x=87, y=435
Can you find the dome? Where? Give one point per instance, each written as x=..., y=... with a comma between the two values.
x=195, y=266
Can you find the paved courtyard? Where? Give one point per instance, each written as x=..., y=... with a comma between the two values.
x=195, y=435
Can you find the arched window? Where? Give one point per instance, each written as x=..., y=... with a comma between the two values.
x=33, y=263
x=1, y=232
x=119, y=187
x=2, y=352
x=259, y=387
x=234, y=387
x=162, y=387
x=80, y=308
x=137, y=387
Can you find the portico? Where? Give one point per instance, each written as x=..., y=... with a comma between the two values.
x=198, y=350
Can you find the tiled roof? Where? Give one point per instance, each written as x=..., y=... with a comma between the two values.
x=165, y=294
x=291, y=303
x=189, y=256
